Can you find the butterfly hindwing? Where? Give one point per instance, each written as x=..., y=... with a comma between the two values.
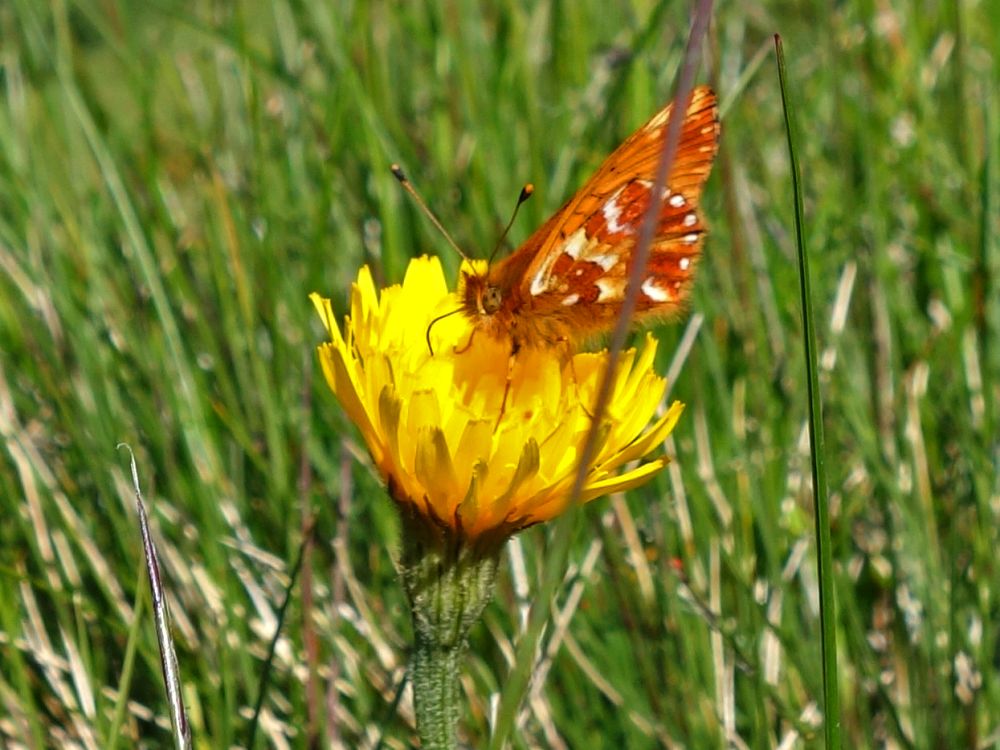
x=581, y=255
x=568, y=280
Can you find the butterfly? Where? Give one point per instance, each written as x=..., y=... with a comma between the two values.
x=568, y=281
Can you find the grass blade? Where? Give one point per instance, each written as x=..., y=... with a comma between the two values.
x=168, y=657
x=265, y=678
x=827, y=605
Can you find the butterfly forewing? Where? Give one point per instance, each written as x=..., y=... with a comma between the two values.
x=569, y=278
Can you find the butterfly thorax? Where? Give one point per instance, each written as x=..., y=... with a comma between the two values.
x=502, y=310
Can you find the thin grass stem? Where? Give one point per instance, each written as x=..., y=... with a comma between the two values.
x=817, y=448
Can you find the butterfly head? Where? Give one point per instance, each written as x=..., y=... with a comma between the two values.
x=486, y=304
x=479, y=296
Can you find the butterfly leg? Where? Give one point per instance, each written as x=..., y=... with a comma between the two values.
x=576, y=384
x=463, y=349
x=568, y=353
x=515, y=347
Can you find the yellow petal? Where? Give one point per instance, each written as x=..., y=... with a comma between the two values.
x=432, y=421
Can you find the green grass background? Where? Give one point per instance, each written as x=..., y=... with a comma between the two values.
x=176, y=177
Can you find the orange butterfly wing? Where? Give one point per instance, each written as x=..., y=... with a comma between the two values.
x=568, y=280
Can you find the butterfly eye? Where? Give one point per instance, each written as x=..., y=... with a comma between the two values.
x=491, y=300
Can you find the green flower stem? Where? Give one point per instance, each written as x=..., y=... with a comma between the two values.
x=449, y=582
x=436, y=693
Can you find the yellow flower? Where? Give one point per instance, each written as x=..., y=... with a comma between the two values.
x=430, y=420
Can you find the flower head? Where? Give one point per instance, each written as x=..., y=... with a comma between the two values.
x=431, y=420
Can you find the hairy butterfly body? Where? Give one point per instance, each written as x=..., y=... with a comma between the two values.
x=567, y=282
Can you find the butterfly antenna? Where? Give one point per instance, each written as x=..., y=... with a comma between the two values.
x=397, y=171
x=430, y=325
x=526, y=193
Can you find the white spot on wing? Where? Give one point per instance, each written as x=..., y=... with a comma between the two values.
x=571, y=299
x=691, y=238
x=690, y=220
x=612, y=212
x=606, y=261
x=575, y=243
x=676, y=200
x=573, y=246
x=655, y=293
x=684, y=263
x=538, y=283
x=607, y=289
